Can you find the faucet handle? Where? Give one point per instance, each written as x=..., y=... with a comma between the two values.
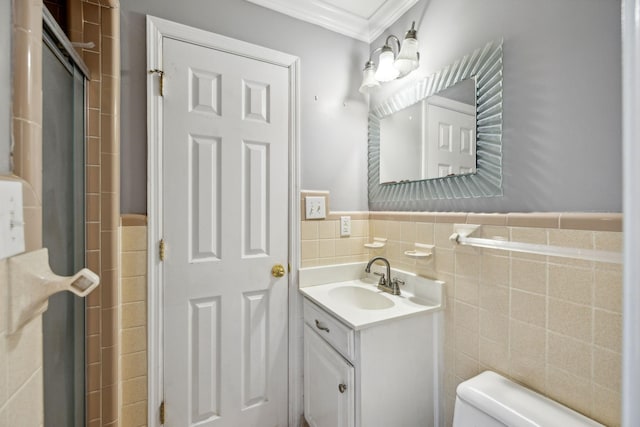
x=395, y=286
x=383, y=279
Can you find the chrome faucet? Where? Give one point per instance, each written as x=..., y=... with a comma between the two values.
x=385, y=283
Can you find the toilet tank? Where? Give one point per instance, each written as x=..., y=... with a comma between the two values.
x=491, y=400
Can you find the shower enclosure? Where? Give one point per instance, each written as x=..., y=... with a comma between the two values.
x=63, y=224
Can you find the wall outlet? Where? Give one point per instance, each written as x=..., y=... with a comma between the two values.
x=11, y=219
x=345, y=226
x=315, y=207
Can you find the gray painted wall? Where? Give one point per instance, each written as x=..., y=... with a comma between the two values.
x=5, y=86
x=562, y=95
x=333, y=127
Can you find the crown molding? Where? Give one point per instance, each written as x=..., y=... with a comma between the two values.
x=387, y=15
x=340, y=21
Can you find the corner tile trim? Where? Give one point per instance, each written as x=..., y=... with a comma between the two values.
x=562, y=221
x=588, y=221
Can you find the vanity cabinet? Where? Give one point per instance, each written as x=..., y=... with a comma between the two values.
x=328, y=389
x=383, y=374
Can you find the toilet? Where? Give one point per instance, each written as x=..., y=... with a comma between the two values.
x=491, y=400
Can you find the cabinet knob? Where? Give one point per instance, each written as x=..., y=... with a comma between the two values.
x=342, y=387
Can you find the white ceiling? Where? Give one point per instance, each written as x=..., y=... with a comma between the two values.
x=362, y=8
x=360, y=19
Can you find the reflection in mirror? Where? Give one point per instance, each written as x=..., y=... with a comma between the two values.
x=405, y=175
x=432, y=138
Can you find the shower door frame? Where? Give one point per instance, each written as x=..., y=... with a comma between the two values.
x=54, y=38
x=631, y=211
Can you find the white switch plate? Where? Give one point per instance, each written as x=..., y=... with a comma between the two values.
x=11, y=219
x=345, y=226
x=315, y=207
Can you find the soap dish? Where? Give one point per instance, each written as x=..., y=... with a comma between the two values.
x=421, y=251
x=416, y=254
x=378, y=242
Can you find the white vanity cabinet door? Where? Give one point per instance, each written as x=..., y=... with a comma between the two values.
x=326, y=403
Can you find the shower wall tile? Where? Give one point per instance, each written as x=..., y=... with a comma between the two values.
x=109, y=366
x=86, y=23
x=91, y=13
x=94, y=377
x=93, y=152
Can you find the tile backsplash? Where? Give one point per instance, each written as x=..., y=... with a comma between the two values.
x=321, y=243
x=133, y=334
x=552, y=324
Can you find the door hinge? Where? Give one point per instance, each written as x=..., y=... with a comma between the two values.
x=161, y=74
x=162, y=412
x=161, y=249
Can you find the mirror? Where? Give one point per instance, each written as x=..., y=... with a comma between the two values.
x=400, y=174
x=433, y=138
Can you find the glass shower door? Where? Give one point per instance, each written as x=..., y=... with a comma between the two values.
x=63, y=223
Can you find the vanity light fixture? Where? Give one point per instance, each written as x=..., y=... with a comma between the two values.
x=392, y=66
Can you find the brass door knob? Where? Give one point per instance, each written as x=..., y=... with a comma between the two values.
x=277, y=270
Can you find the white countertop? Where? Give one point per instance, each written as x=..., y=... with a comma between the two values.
x=359, y=318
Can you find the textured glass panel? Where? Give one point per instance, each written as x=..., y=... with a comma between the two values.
x=63, y=95
x=483, y=64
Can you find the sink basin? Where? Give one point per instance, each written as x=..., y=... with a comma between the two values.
x=358, y=297
x=360, y=304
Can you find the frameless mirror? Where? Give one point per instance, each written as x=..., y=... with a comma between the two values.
x=433, y=138
x=456, y=154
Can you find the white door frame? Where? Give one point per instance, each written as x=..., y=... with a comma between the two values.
x=631, y=203
x=157, y=30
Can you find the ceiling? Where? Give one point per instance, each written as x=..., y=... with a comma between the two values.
x=360, y=19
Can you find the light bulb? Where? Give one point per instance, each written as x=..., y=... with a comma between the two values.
x=369, y=81
x=408, y=57
x=386, y=71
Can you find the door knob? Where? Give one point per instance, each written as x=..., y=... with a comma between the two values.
x=342, y=388
x=277, y=270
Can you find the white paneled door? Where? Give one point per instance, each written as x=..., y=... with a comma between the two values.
x=225, y=220
x=454, y=129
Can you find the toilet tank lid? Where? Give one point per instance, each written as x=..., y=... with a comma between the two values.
x=517, y=406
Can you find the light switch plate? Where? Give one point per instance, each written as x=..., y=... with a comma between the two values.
x=345, y=226
x=11, y=219
x=315, y=207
